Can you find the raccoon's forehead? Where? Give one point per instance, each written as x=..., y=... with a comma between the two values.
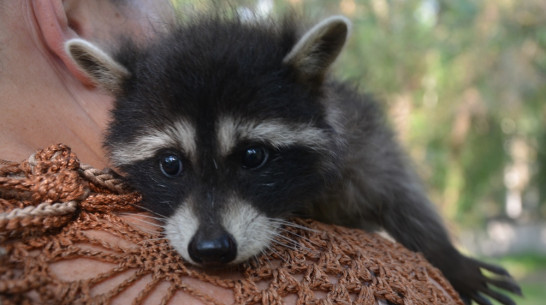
x=211, y=87
x=222, y=138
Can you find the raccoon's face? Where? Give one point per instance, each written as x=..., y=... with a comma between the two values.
x=223, y=143
x=223, y=186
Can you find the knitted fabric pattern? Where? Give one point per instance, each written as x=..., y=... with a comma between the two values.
x=49, y=202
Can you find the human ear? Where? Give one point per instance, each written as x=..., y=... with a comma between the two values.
x=55, y=29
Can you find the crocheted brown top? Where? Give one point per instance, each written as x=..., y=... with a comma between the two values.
x=50, y=202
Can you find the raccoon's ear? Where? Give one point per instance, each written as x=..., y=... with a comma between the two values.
x=313, y=54
x=102, y=69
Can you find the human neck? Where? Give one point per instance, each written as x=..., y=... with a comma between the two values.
x=44, y=104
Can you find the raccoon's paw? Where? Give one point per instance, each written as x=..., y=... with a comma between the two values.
x=472, y=284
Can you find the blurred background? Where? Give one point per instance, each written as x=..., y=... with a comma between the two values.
x=464, y=84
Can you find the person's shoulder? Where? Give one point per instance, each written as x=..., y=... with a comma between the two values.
x=12, y=149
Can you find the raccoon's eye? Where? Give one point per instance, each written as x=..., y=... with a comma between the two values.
x=170, y=165
x=255, y=157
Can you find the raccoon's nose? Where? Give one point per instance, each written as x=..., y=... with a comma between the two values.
x=212, y=249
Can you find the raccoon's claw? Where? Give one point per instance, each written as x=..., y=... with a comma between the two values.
x=492, y=268
x=472, y=284
x=498, y=296
x=479, y=299
x=506, y=285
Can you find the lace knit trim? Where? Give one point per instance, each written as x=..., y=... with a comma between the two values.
x=50, y=202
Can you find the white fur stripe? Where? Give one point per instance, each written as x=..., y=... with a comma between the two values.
x=253, y=232
x=180, y=228
x=180, y=136
x=277, y=133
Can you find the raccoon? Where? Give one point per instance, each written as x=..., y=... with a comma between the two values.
x=228, y=127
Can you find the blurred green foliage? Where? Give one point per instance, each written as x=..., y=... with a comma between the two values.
x=465, y=86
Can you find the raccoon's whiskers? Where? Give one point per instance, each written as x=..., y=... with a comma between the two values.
x=215, y=164
x=152, y=239
x=283, y=228
x=286, y=245
x=272, y=250
x=291, y=244
x=299, y=236
x=269, y=231
x=158, y=218
x=149, y=211
x=282, y=240
x=296, y=236
x=150, y=227
x=158, y=183
x=167, y=202
x=265, y=255
x=151, y=223
x=293, y=225
x=141, y=221
x=147, y=231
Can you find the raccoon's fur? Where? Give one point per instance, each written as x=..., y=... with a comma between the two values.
x=228, y=127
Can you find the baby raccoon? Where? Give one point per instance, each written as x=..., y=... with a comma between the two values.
x=227, y=127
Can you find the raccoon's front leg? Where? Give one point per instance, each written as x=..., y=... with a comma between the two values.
x=409, y=217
